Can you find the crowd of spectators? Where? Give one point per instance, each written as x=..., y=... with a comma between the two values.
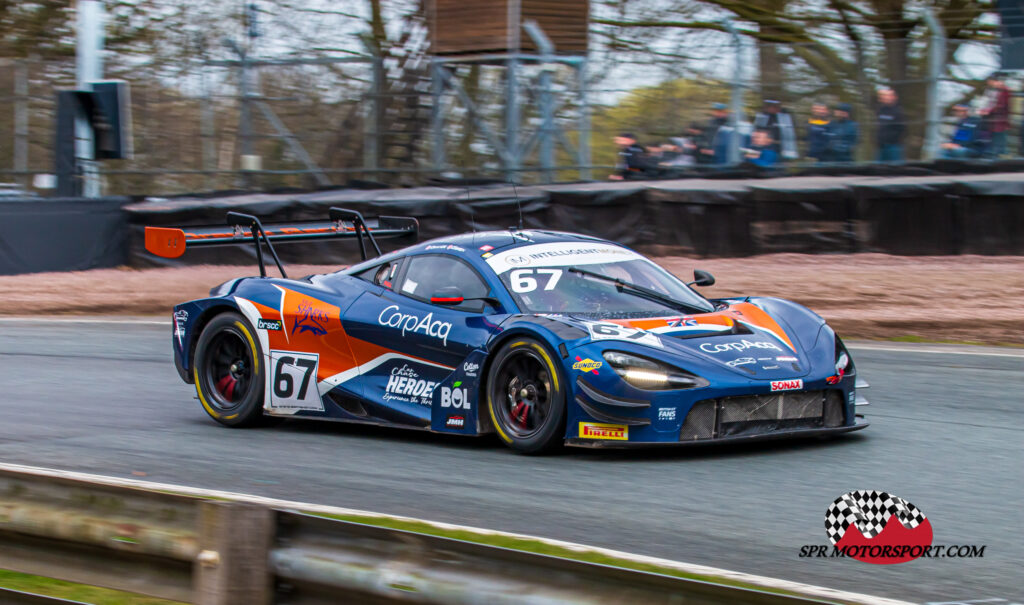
x=830, y=134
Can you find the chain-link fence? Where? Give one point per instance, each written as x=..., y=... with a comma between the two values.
x=243, y=120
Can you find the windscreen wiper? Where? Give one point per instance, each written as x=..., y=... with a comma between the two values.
x=640, y=291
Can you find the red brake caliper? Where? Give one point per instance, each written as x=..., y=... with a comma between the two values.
x=519, y=413
x=226, y=386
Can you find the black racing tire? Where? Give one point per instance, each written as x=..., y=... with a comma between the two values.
x=526, y=396
x=227, y=369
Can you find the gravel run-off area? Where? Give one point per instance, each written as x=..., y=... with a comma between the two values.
x=939, y=298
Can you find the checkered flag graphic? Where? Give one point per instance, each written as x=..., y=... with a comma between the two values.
x=869, y=511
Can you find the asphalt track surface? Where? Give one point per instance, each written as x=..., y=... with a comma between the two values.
x=946, y=435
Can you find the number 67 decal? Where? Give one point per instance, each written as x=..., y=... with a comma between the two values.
x=610, y=331
x=293, y=381
x=523, y=281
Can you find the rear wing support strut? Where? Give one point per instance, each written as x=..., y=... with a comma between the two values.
x=340, y=214
x=239, y=220
x=171, y=242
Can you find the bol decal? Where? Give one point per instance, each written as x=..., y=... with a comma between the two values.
x=878, y=527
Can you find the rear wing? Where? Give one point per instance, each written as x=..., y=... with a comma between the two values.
x=243, y=228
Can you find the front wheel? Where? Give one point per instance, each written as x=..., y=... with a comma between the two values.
x=526, y=396
x=228, y=371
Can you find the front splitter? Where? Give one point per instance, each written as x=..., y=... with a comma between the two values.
x=774, y=435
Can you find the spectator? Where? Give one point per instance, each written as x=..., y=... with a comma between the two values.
x=818, y=132
x=1020, y=151
x=692, y=142
x=632, y=162
x=719, y=118
x=843, y=133
x=891, y=126
x=779, y=125
x=762, y=149
x=964, y=142
x=674, y=153
x=997, y=115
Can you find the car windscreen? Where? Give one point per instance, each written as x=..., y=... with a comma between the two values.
x=539, y=278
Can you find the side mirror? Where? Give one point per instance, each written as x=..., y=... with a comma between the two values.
x=702, y=278
x=447, y=296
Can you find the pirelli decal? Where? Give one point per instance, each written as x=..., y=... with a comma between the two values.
x=607, y=432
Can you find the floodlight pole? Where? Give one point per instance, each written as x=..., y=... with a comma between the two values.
x=936, y=66
x=88, y=69
x=546, y=50
x=736, y=105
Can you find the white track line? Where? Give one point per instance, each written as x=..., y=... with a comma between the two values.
x=933, y=350
x=895, y=348
x=775, y=583
x=87, y=320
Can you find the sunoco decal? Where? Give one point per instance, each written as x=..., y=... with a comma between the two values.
x=393, y=317
x=587, y=365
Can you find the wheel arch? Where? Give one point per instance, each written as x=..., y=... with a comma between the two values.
x=539, y=333
x=211, y=308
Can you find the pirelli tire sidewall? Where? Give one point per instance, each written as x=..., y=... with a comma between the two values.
x=249, y=410
x=552, y=434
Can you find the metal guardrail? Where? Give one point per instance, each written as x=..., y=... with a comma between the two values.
x=213, y=552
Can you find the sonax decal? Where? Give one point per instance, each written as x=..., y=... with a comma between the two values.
x=787, y=385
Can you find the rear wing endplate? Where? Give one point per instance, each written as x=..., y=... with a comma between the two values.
x=170, y=242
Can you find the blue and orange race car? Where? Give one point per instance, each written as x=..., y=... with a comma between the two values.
x=541, y=337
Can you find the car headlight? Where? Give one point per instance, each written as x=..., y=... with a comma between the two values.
x=844, y=365
x=651, y=375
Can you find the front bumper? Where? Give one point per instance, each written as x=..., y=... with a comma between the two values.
x=859, y=424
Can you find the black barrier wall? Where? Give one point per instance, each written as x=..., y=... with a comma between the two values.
x=62, y=234
x=977, y=214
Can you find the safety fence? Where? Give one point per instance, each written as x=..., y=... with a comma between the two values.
x=221, y=552
x=935, y=215
x=278, y=105
x=904, y=215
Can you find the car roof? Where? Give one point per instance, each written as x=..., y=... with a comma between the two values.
x=475, y=242
x=471, y=246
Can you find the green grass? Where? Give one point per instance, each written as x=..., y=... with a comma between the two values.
x=103, y=596
x=76, y=592
x=543, y=548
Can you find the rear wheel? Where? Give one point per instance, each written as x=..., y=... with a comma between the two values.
x=228, y=371
x=526, y=396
